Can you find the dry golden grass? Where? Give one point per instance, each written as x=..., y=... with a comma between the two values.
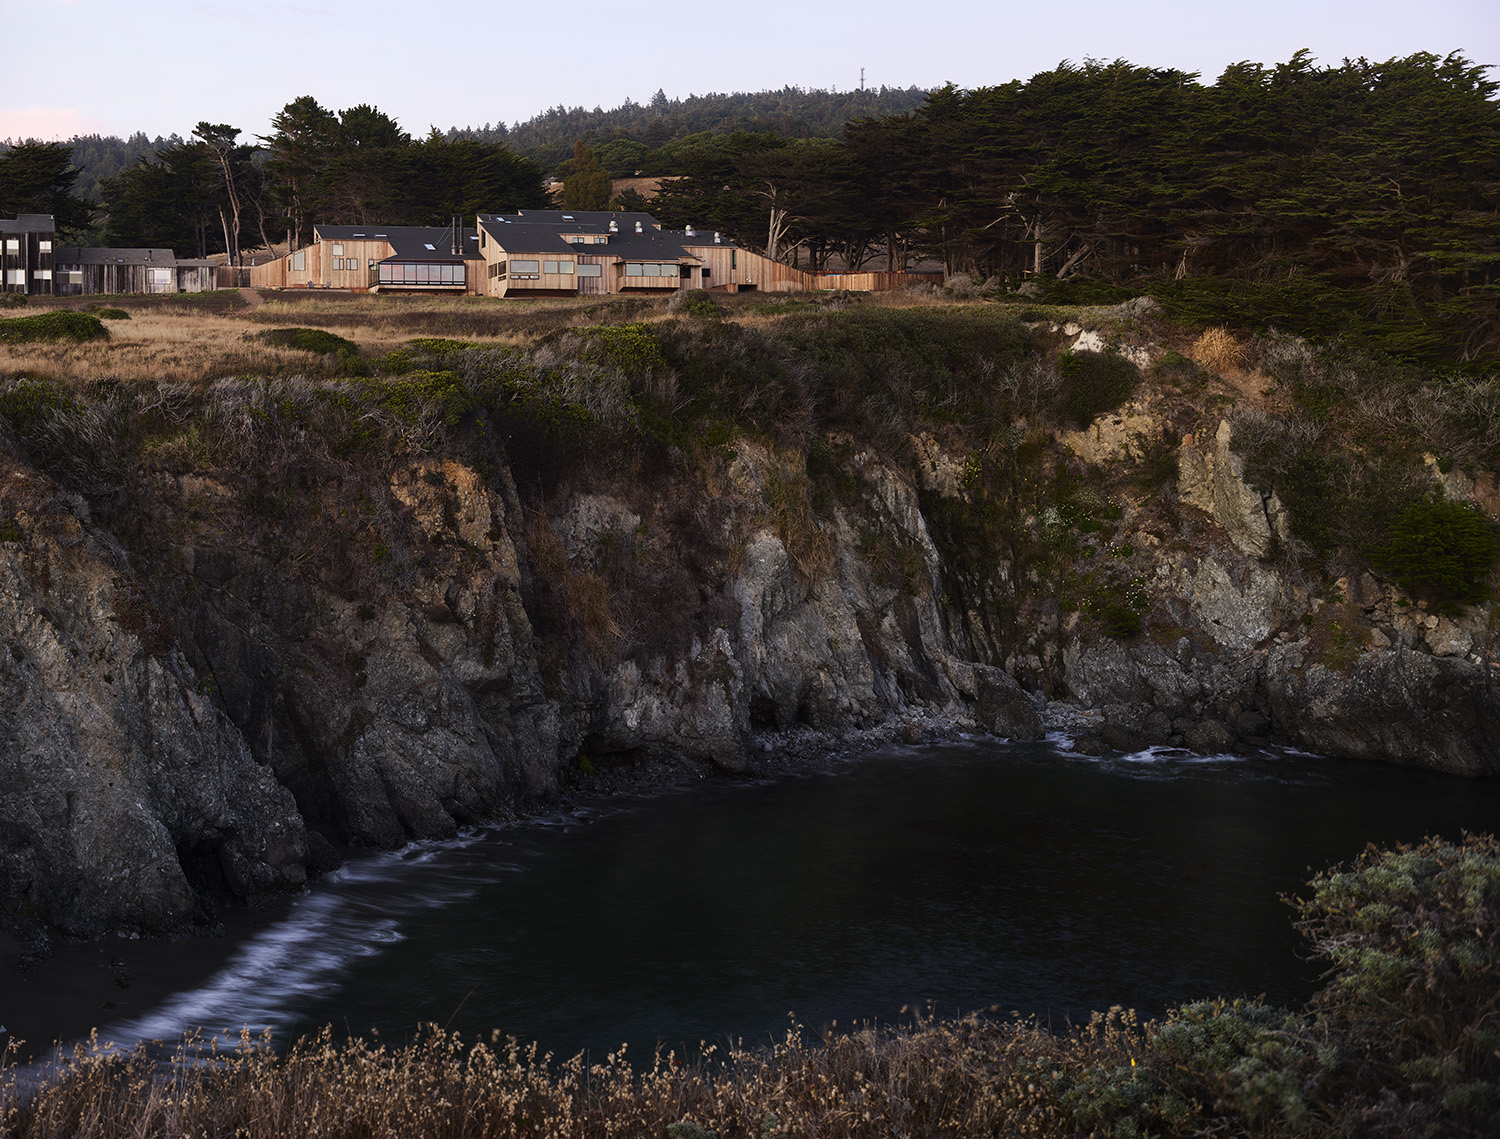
x=965, y=1077
x=1218, y=351
x=177, y=342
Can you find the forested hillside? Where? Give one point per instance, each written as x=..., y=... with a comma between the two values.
x=636, y=137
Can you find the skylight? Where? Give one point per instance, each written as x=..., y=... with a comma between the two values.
x=429, y=245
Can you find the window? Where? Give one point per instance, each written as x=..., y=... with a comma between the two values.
x=557, y=267
x=526, y=266
x=338, y=249
x=299, y=261
x=73, y=277
x=12, y=245
x=15, y=277
x=44, y=246
x=633, y=270
x=421, y=273
x=160, y=276
x=591, y=270
x=734, y=258
x=42, y=275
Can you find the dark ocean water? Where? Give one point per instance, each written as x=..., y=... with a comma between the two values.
x=950, y=878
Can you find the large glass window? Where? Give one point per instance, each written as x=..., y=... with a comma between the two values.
x=422, y=273
x=15, y=277
x=299, y=261
x=591, y=270
x=43, y=274
x=557, y=267
x=525, y=266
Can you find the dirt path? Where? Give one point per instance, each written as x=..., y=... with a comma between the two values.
x=252, y=298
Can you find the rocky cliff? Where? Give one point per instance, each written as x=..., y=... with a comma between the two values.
x=221, y=663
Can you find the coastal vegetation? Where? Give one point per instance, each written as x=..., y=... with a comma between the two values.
x=1401, y=1040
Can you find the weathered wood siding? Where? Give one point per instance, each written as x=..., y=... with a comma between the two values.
x=26, y=262
x=322, y=268
x=596, y=286
x=114, y=279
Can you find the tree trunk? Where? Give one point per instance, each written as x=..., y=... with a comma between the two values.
x=228, y=248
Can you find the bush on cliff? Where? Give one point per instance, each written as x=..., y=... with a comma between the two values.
x=1443, y=552
x=1096, y=382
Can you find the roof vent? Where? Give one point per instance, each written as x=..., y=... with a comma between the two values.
x=638, y=227
x=614, y=226
x=717, y=239
x=689, y=230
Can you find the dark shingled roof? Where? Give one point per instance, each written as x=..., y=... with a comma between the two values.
x=409, y=242
x=100, y=255
x=522, y=233
x=28, y=223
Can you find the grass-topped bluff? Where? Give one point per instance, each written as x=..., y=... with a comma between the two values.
x=1360, y=450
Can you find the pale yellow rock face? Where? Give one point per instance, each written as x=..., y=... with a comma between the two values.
x=1212, y=478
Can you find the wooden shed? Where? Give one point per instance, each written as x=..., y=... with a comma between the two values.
x=95, y=270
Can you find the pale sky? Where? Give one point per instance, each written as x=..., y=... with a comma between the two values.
x=118, y=66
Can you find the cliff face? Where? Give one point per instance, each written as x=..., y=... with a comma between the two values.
x=210, y=673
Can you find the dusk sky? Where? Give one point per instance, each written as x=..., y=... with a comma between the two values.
x=118, y=66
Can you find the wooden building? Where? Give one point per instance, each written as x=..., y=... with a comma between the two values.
x=540, y=253
x=26, y=254
x=97, y=270
x=380, y=259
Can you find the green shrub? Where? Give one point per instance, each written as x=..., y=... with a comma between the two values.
x=1412, y=938
x=322, y=342
x=61, y=325
x=105, y=313
x=1442, y=551
x=439, y=345
x=1094, y=383
x=308, y=340
x=12, y=300
x=698, y=303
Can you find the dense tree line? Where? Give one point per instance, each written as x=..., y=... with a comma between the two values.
x=40, y=178
x=1377, y=181
x=215, y=192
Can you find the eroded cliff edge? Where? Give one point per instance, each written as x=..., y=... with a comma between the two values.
x=288, y=612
